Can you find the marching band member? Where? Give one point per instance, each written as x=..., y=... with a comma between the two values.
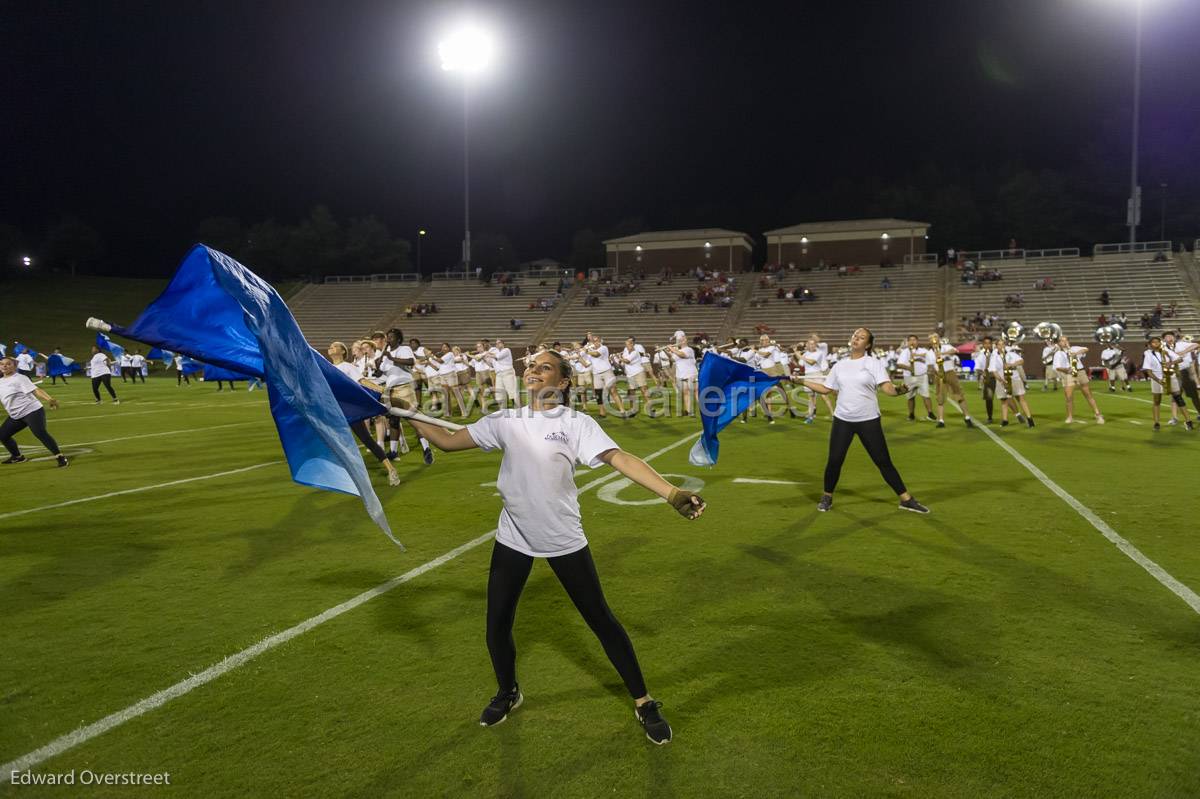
x=634, y=363
x=856, y=379
x=773, y=361
x=540, y=519
x=506, y=376
x=485, y=376
x=1009, y=381
x=1051, y=377
x=337, y=353
x=1068, y=362
x=20, y=399
x=603, y=379
x=1112, y=358
x=402, y=391
x=915, y=365
x=683, y=358
x=816, y=366
x=447, y=372
x=1161, y=363
x=942, y=358
x=1186, y=351
x=987, y=377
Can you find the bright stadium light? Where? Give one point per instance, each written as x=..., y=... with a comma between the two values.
x=27, y=261
x=638, y=248
x=468, y=48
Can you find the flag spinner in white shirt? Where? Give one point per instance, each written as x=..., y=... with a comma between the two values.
x=101, y=374
x=542, y=442
x=856, y=378
x=20, y=399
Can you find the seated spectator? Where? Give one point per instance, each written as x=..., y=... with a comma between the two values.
x=1160, y=257
x=885, y=284
x=1104, y=298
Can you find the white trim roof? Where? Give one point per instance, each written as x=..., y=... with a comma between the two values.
x=848, y=226
x=678, y=235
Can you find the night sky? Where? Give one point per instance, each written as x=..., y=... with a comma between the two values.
x=145, y=118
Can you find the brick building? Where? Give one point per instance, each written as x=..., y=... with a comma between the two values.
x=851, y=242
x=681, y=251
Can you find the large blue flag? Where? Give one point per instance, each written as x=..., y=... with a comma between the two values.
x=190, y=366
x=159, y=354
x=19, y=348
x=217, y=373
x=108, y=345
x=61, y=366
x=727, y=387
x=217, y=311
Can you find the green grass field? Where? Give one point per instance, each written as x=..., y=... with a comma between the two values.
x=999, y=647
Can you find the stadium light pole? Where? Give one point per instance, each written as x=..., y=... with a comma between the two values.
x=1134, y=208
x=420, y=235
x=468, y=51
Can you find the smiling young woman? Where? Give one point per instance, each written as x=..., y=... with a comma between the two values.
x=542, y=442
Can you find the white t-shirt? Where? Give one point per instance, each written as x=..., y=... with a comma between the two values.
x=537, y=475
x=1063, y=361
x=633, y=362
x=856, y=380
x=99, y=365
x=1186, y=357
x=916, y=358
x=1153, y=361
x=986, y=361
x=1048, y=353
x=600, y=363
x=349, y=370
x=447, y=364
x=1011, y=358
x=503, y=359
x=16, y=395
x=126, y=361
x=25, y=362
x=641, y=350
x=685, y=364
x=768, y=356
x=480, y=363
x=949, y=358
x=815, y=363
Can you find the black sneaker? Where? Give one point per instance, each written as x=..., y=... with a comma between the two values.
x=826, y=503
x=62, y=461
x=656, y=727
x=501, y=705
x=1004, y=423
x=931, y=417
x=1020, y=418
x=427, y=454
x=969, y=422
x=913, y=505
x=941, y=423
x=1030, y=421
x=1188, y=424
x=1156, y=427
x=16, y=459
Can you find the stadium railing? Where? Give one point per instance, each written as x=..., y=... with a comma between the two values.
x=381, y=277
x=1132, y=248
x=1059, y=253
x=923, y=258
x=978, y=256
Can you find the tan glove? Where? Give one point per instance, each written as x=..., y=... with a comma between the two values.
x=682, y=501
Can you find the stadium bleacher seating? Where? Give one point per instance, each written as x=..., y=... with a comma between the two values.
x=844, y=303
x=1135, y=286
x=344, y=311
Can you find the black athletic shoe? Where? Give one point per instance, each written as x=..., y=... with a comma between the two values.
x=391, y=456
x=913, y=505
x=941, y=423
x=1188, y=424
x=1030, y=421
x=1021, y=418
x=62, y=461
x=656, y=727
x=427, y=454
x=826, y=503
x=931, y=417
x=912, y=418
x=969, y=422
x=501, y=705
x=1156, y=427
x=1004, y=423
x=16, y=459
x=989, y=421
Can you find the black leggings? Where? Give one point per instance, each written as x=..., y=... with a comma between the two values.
x=36, y=422
x=107, y=381
x=364, y=435
x=870, y=433
x=577, y=573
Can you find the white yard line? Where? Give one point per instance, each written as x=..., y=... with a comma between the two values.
x=1129, y=550
x=149, y=435
x=137, y=490
x=120, y=414
x=756, y=481
x=90, y=731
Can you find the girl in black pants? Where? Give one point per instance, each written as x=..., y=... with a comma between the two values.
x=856, y=379
x=542, y=443
x=22, y=400
x=101, y=374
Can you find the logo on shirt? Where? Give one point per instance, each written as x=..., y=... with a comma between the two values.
x=559, y=436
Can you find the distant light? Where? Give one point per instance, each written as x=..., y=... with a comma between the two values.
x=885, y=236
x=804, y=239
x=467, y=49
x=27, y=261
x=708, y=245
x=638, y=248
x=420, y=232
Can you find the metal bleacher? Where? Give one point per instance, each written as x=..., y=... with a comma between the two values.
x=1135, y=283
x=845, y=303
x=345, y=311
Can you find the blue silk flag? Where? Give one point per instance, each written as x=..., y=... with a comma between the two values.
x=217, y=311
x=108, y=345
x=19, y=348
x=61, y=366
x=158, y=354
x=727, y=387
x=217, y=373
x=189, y=366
